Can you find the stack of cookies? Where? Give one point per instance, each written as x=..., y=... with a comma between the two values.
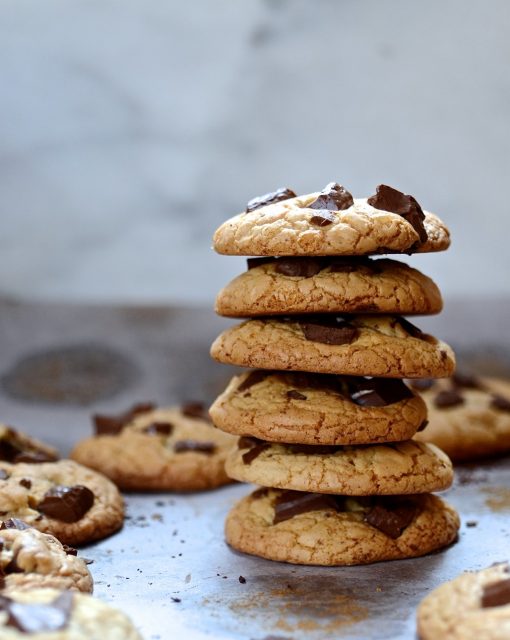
x=325, y=420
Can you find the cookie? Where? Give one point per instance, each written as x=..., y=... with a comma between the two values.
x=304, y=528
x=44, y=614
x=331, y=223
x=379, y=469
x=175, y=449
x=30, y=559
x=306, y=408
x=471, y=607
x=383, y=346
x=63, y=498
x=16, y=446
x=277, y=286
x=469, y=418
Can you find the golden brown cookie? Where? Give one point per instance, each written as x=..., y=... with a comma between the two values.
x=378, y=469
x=304, y=528
x=63, y=498
x=30, y=559
x=306, y=408
x=474, y=606
x=469, y=418
x=175, y=449
x=279, y=286
x=331, y=223
x=16, y=446
x=383, y=346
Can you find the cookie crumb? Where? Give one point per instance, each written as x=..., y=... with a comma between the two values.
x=242, y=579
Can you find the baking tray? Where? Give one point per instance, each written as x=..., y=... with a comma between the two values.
x=169, y=568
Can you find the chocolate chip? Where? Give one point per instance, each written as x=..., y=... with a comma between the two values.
x=195, y=410
x=323, y=219
x=422, y=384
x=391, y=519
x=71, y=551
x=253, y=378
x=242, y=579
x=14, y=523
x=329, y=330
x=410, y=328
x=255, y=448
x=25, y=482
x=67, y=504
x=377, y=392
x=448, y=398
x=389, y=199
x=292, y=503
x=292, y=394
x=194, y=445
x=159, y=428
x=3, y=474
x=466, y=381
x=112, y=425
x=500, y=402
x=270, y=198
x=496, y=594
x=38, y=618
x=298, y=267
x=253, y=263
x=333, y=197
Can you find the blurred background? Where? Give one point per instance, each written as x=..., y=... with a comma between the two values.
x=129, y=130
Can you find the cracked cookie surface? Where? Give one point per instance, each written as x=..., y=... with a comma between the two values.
x=341, y=286
x=332, y=537
x=400, y=468
x=380, y=346
x=299, y=408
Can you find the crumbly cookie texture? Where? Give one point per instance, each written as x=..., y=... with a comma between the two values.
x=49, y=614
x=470, y=607
x=285, y=229
x=299, y=408
x=330, y=537
x=30, y=559
x=143, y=457
x=23, y=488
x=474, y=424
x=382, y=347
x=345, y=286
x=400, y=468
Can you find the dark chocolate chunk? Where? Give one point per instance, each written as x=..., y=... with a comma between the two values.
x=422, y=384
x=466, y=381
x=14, y=448
x=500, y=402
x=67, y=504
x=323, y=218
x=270, y=198
x=391, y=519
x=25, y=482
x=329, y=330
x=252, y=263
x=389, y=199
x=71, y=551
x=194, y=445
x=448, y=398
x=292, y=503
x=377, y=392
x=38, y=618
x=299, y=267
x=254, y=377
x=496, y=594
x=14, y=523
x=354, y=263
x=242, y=579
x=293, y=394
x=333, y=197
x=259, y=493
x=255, y=448
x=411, y=329
x=111, y=425
x=195, y=410
x=159, y=428
x=3, y=474
x=247, y=442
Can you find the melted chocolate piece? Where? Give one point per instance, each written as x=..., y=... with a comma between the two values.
x=68, y=504
x=411, y=329
x=255, y=448
x=292, y=503
x=448, y=398
x=195, y=410
x=500, y=402
x=466, y=381
x=391, y=519
x=194, y=445
x=13, y=449
x=323, y=219
x=38, y=618
x=389, y=199
x=71, y=551
x=270, y=198
x=159, y=429
x=3, y=474
x=329, y=330
x=333, y=197
x=377, y=392
x=293, y=394
x=422, y=384
x=25, y=482
x=254, y=377
x=496, y=594
x=14, y=523
x=253, y=263
x=299, y=267
x=112, y=425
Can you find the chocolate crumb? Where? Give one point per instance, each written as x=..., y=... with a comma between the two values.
x=471, y=523
x=242, y=579
x=175, y=599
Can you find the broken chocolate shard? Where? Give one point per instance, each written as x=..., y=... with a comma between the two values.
x=329, y=330
x=253, y=378
x=377, y=392
x=255, y=448
x=500, y=403
x=67, y=504
x=448, y=398
x=112, y=425
x=323, y=218
x=159, y=429
x=270, y=198
x=389, y=199
x=293, y=503
x=333, y=197
x=38, y=618
x=195, y=410
x=14, y=523
x=196, y=446
x=298, y=267
x=293, y=394
x=496, y=594
x=253, y=263
x=391, y=520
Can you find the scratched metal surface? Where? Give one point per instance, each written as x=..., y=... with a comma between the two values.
x=60, y=363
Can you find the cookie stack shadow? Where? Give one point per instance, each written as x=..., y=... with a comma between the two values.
x=324, y=418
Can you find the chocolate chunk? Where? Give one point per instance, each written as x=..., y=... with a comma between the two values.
x=38, y=618
x=411, y=329
x=194, y=445
x=67, y=504
x=500, y=402
x=25, y=482
x=323, y=219
x=14, y=448
x=333, y=197
x=259, y=493
x=448, y=398
x=389, y=199
x=422, y=384
x=466, y=381
x=71, y=551
x=111, y=425
x=255, y=448
x=391, y=519
x=354, y=263
x=292, y=394
x=3, y=474
x=14, y=523
x=270, y=198
x=299, y=267
x=496, y=594
x=195, y=410
x=377, y=392
x=253, y=263
x=254, y=377
x=423, y=426
x=159, y=428
x=247, y=442
x=329, y=330
x=292, y=503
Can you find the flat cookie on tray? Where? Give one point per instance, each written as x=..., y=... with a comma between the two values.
x=469, y=418
x=380, y=469
x=49, y=614
x=473, y=606
x=307, y=408
x=329, y=223
x=281, y=286
x=381, y=346
x=175, y=449
x=315, y=529
x=30, y=559
x=75, y=504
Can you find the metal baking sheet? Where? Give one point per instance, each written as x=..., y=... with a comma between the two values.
x=169, y=568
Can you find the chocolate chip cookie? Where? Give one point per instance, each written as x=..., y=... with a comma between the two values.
x=16, y=446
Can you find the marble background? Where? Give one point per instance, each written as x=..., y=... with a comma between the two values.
x=129, y=130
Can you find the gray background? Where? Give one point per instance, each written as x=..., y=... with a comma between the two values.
x=130, y=130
